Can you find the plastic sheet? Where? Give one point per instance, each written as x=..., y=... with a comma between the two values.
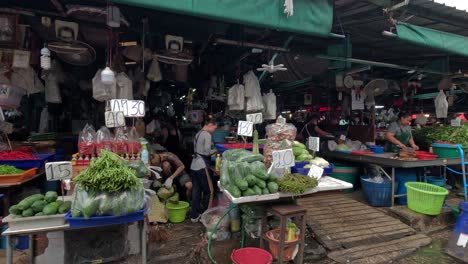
x=87, y=140
x=88, y=204
x=119, y=146
x=103, y=140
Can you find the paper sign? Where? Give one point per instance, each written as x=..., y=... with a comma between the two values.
x=462, y=240
x=283, y=158
x=314, y=143
x=114, y=119
x=245, y=128
x=60, y=170
x=130, y=108
x=281, y=120
x=455, y=122
x=2, y=116
x=256, y=118
x=316, y=172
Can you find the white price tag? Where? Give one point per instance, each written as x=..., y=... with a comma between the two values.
x=283, y=158
x=130, y=108
x=60, y=170
x=462, y=240
x=281, y=120
x=314, y=143
x=256, y=118
x=114, y=119
x=342, y=137
x=455, y=122
x=245, y=128
x=316, y=172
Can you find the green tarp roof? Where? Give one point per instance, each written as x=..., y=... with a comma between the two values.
x=432, y=38
x=311, y=17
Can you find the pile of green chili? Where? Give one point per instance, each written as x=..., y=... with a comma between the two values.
x=296, y=183
x=7, y=170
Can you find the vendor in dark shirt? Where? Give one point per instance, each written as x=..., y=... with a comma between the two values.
x=312, y=129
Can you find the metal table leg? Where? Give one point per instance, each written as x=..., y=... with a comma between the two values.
x=143, y=243
x=31, y=248
x=9, y=251
x=393, y=186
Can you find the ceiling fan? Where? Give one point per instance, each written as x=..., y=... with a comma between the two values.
x=271, y=68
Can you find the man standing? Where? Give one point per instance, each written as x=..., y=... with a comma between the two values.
x=203, y=189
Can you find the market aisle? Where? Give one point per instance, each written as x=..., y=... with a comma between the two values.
x=348, y=228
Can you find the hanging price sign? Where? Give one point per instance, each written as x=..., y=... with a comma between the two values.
x=256, y=118
x=60, y=170
x=313, y=143
x=114, y=119
x=130, y=108
x=316, y=172
x=283, y=158
x=245, y=128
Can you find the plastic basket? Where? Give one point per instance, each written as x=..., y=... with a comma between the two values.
x=425, y=198
x=211, y=216
x=439, y=181
x=15, y=178
x=78, y=222
x=251, y=255
x=446, y=151
x=377, y=194
x=177, y=212
x=26, y=164
x=305, y=171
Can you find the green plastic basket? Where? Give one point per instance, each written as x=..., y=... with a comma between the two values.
x=447, y=151
x=347, y=174
x=425, y=198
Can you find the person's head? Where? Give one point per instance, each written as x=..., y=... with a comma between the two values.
x=404, y=118
x=314, y=119
x=166, y=168
x=210, y=126
x=155, y=160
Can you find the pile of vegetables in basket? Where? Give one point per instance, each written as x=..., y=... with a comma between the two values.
x=39, y=204
x=8, y=170
x=425, y=136
x=107, y=187
x=300, y=152
x=243, y=174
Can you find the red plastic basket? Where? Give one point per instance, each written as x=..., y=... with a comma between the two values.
x=251, y=255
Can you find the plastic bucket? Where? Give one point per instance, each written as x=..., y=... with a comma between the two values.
x=435, y=180
x=403, y=176
x=377, y=194
x=251, y=255
x=273, y=243
x=347, y=174
x=177, y=212
x=446, y=151
x=425, y=198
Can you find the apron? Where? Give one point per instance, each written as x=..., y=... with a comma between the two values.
x=403, y=137
x=207, y=160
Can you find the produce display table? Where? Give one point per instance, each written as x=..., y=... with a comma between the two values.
x=6, y=189
x=385, y=160
x=325, y=183
x=30, y=232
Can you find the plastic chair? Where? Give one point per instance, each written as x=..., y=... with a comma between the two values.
x=463, y=172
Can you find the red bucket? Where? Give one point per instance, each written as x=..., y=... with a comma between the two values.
x=251, y=255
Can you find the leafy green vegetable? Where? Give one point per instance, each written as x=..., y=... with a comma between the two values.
x=108, y=173
x=296, y=183
x=424, y=137
x=7, y=169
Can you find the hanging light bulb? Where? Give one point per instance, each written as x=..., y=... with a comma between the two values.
x=45, y=58
x=107, y=76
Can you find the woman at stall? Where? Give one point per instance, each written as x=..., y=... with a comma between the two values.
x=399, y=134
x=203, y=189
x=312, y=129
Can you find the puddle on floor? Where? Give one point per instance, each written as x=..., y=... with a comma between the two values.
x=433, y=253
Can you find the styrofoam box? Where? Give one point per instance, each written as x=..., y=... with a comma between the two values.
x=22, y=223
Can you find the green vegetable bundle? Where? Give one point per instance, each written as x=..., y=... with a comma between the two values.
x=38, y=204
x=108, y=174
x=424, y=137
x=7, y=169
x=296, y=183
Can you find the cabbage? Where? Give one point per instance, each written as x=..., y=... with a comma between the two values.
x=342, y=147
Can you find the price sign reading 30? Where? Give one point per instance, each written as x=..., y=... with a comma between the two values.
x=130, y=108
x=283, y=158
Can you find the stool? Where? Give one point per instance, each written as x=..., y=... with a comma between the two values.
x=283, y=212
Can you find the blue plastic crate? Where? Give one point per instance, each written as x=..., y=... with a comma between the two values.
x=326, y=171
x=79, y=222
x=27, y=164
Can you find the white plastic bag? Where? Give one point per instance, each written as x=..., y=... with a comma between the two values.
x=44, y=121
x=27, y=79
x=269, y=101
x=124, y=86
x=236, y=98
x=252, y=92
x=101, y=91
x=52, y=90
x=154, y=72
x=441, y=105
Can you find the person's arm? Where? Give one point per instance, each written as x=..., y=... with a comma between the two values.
x=321, y=133
x=412, y=144
x=391, y=137
x=207, y=144
x=179, y=164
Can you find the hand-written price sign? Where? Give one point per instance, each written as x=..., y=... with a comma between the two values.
x=283, y=158
x=314, y=143
x=245, y=128
x=114, y=119
x=256, y=118
x=60, y=170
x=316, y=172
x=130, y=108
x=455, y=122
